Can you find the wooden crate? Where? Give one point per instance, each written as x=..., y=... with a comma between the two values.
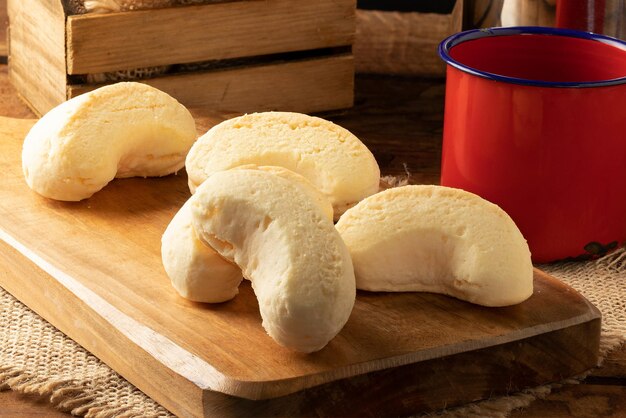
x=273, y=54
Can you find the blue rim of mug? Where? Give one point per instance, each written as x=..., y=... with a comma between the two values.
x=450, y=42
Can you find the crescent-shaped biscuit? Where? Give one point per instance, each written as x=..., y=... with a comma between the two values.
x=329, y=156
x=441, y=240
x=121, y=130
x=197, y=272
x=299, y=267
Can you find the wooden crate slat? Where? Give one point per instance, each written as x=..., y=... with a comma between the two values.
x=108, y=42
x=4, y=18
x=37, y=52
x=311, y=85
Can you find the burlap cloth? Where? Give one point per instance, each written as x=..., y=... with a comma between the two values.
x=37, y=358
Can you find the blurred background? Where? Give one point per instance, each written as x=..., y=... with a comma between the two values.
x=401, y=36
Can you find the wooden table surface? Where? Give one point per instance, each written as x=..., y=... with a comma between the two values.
x=400, y=120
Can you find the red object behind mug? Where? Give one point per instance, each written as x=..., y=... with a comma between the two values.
x=535, y=121
x=587, y=15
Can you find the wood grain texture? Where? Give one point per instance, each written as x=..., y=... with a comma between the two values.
x=4, y=24
x=41, y=59
x=14, y=405
x=127, y=40
x=37, y=52
x=421, y=387
x=309, y=85
x=77, y=265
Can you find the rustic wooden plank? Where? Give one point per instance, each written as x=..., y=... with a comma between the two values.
x=197, y=359
x=27, y=406
x=100, y=337
x=109, y=42
x=310, y=85
x=425, y=386
x=4, y=24
x=37, y=52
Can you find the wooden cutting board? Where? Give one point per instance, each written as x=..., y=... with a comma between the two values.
x=93, y=269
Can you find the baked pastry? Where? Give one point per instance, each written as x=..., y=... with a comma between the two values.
x=277, y=234
x=441, y=240
x=329, y=156
x=197, y=272
x=121, y=130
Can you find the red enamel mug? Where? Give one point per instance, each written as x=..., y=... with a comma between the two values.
x=535, y=121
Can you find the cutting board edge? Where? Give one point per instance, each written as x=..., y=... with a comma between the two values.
x=427, y=386
x=259, y=390
x=206, y=378
x=104, y=345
